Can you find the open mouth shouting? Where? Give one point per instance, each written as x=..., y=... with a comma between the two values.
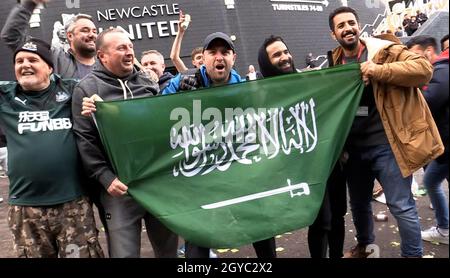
x=220, y=68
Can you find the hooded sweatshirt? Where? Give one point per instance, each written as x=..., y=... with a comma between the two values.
x=436, y=95
x=109, y=87
x=266, y=67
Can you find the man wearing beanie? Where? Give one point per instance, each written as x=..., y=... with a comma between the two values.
x=81, y=33
x=76, y=62
x=48, y=215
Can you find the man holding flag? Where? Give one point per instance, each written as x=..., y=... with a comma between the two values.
x=328, y=229
x=219, y=57
x=393, y=134
x=117, y=78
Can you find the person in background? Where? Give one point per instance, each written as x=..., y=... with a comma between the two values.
x=444, y=43
x=197, y=53
x=152, y=60
x=252, y=74
x=399, y=33
x=436, y=94
x=421, y=17
x=81, y=34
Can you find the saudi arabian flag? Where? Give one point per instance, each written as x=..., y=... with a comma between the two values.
x=231, y=165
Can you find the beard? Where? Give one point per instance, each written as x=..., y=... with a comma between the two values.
x=281, y=70
x=84, y=50
x=350, y=46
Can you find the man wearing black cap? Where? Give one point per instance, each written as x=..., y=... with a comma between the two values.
x=48, y=214
x=81, y=33
x=219, y=55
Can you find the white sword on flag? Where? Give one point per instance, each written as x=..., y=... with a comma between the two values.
x=290, y=188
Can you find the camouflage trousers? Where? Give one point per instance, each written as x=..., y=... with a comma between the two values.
x=67, y=230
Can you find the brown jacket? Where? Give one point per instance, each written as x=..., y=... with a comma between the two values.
x=406, y=118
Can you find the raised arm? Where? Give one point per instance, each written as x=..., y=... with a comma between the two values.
x=176, y=46
x=14, y=32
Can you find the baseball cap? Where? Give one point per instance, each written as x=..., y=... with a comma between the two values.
x=218, y=36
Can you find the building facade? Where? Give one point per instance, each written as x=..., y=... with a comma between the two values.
x=152, y=24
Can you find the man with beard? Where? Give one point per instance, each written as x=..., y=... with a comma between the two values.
x=274, y=58
x=328, y=229
x=81, y=33
x=115, y=77
x=219, y=57
x=393, y=133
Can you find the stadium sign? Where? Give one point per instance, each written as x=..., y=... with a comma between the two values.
x=299, y=5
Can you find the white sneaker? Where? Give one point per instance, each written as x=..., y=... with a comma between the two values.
x=434, y=234
x=1, y=199
x=212, y=255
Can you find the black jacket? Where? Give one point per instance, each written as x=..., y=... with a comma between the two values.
x=437, y=94
x=103, y=83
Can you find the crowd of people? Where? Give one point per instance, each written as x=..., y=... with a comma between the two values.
x=398, y=129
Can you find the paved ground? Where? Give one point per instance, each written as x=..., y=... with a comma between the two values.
x=290, y=245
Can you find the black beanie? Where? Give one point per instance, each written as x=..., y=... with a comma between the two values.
x=38, y=47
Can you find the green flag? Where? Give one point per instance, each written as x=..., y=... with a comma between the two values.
x=228, y=166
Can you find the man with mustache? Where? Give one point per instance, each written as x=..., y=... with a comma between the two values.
x=219, y=56
x=328, y=230
x=48, y=215
x=393, y=133
x=274, y=58
x=81, y=33
x=115, y=77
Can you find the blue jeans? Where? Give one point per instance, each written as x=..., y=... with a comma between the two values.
x=363, y=166
x=434, y=175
